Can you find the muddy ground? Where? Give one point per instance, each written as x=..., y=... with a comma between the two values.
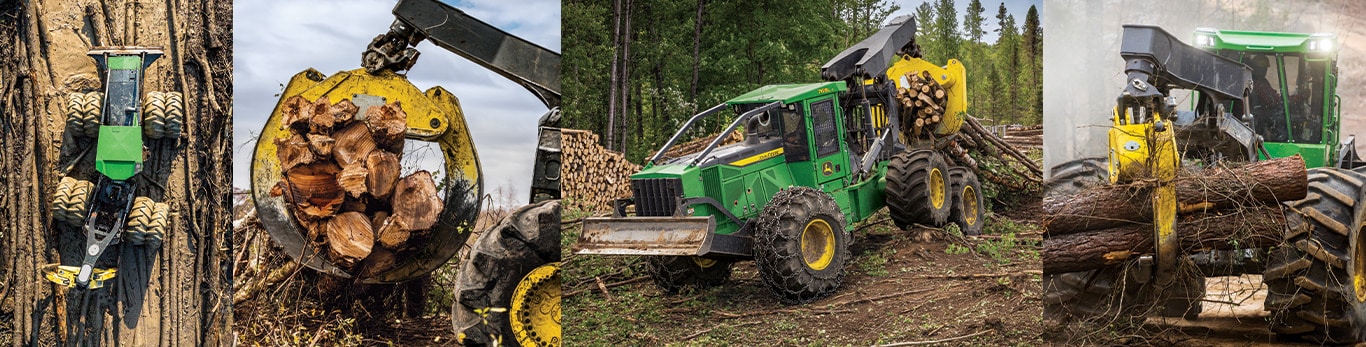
x=901, y=286
x=44, y=45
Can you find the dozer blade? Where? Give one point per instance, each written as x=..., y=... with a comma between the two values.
x=684, y=236
x=433, y=116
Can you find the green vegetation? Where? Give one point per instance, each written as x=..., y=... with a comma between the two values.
x=634, y=71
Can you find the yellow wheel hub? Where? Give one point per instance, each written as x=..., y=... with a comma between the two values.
x=970, y=208
x=937, y=188
x=818, y=244
x=535, y=312
x=703, y=262
x=1359, y=264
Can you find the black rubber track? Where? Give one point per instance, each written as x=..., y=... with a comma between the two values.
x=528, y=238
x=1308, y=279
x=777, y=245
x=908, y=189
x=671, y=274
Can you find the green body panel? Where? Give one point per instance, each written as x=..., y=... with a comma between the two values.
x=118, y=152
x=1314, y=155
x=126, y=62
x=743, y=187
x=1307, y=49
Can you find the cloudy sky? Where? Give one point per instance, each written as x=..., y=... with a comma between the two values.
x=276, y=39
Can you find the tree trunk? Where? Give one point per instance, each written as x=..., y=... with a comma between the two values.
x=614, y=77
x=1254, y=227
x=187, y=281
x=696, y=54
x=1109, y=206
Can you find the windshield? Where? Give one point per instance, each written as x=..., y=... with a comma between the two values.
x=1287, y=100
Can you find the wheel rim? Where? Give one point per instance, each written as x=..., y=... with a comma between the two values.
x=1359, y=264
x=936, y=188
x=703, y=262
x=535, y=312
x=818, y=244
x=970, y=207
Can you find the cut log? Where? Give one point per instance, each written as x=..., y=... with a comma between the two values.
x=320, y=121
x=293, y=151
x=393, y=234
x=349, y=237
x=321, y=145
x=379, y=261
x=1254, y=227
x=343, y=111
x=388, y=123
x=292, y=113
x=313, y=190
x=352, y=179
x=353, y=145
x=1109, y=206
x=415, y=202
x=383, y=170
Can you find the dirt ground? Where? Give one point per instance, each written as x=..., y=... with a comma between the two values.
x=184, y=300
x=901, y=286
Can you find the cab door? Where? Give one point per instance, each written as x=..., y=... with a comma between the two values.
x=830, y=159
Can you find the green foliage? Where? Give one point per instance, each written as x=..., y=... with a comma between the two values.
x=679, y=57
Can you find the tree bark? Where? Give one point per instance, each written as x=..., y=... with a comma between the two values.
x=1254, y=227
x=1110, y=206
x=696, y=54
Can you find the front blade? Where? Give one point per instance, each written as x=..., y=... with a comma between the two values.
x=680, y=236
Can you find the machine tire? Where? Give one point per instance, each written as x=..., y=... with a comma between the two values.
x=75, y=114
x=969, y=209
x=142, y=221
x=672, y=273
x=93, y=103
x=174, y=115
x=69, y=203
x=797, y=274
x=526, y=241
x=154, y=115
x=1316, y=279
x=1073, y=176
x=912, y=180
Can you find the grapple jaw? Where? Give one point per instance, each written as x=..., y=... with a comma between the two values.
x=433, y=116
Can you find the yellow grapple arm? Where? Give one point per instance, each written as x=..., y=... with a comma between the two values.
x=953, y=77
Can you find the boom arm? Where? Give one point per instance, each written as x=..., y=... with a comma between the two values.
x=871, y=57
x=533, y=67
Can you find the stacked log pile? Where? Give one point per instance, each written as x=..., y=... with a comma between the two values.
x=593, y=176
x=697, y=145
x=1005, y=164
x=341, y=181
x=1218, y=208
x=923, y=102
x=1024, y=137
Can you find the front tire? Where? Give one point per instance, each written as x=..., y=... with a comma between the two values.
x=672, y=273
x=71, y=200
x=1316, y=279
x=800, y=245
x=146, y=222
x=517, y=253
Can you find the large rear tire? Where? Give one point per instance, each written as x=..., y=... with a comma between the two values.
x=517, y=253
x=800, y=245
x=969, y=209
x=70, y=201
x=917, y=189
x=671, y=273
x=83, y=113
x=146, y=222
x=1316, y=280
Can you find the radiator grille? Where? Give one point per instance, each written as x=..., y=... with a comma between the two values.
x=656, y=196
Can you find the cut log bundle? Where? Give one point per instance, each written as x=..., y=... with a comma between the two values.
x=1219, y=208
x=1219, y=188
x=593, y=176
x=341, y=181
x=923, y=102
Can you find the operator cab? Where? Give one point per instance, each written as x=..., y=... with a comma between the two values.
x=1293, y=99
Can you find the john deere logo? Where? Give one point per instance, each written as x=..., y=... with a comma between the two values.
x=827, y=169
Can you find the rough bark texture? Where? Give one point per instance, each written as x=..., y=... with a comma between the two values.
x=1254, y=227
x=44, y=45
x=1110, y=206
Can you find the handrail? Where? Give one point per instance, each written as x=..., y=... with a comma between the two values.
x=685, y=127
x=743, y=117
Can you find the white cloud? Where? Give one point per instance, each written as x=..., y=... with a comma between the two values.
x=276, y=39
